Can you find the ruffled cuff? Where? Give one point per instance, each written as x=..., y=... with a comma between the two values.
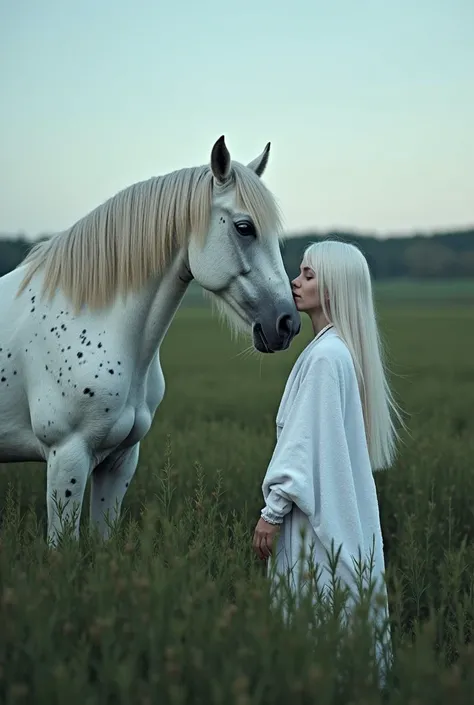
x=270, y=516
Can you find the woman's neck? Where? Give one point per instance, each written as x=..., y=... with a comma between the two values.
x=319, y=322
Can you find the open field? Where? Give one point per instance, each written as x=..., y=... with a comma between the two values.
x=425, y=291
x=175, y=608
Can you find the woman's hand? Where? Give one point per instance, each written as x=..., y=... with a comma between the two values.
x=263, y=538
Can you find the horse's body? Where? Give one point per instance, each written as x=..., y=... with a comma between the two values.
x=80, y=374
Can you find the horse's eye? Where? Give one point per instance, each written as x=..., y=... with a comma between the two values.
x=246, y=228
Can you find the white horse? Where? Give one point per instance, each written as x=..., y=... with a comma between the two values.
x=84, y=315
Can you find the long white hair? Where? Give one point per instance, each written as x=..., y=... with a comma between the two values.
x=342, y=272
x=124, y=241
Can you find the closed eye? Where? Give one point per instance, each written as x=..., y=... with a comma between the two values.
x=246, y=228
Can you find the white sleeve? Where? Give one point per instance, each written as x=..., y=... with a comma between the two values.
x=308, y=445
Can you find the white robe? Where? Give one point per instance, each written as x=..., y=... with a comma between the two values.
x=319, y=479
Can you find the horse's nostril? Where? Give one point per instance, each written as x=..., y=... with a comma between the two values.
x=284, y=324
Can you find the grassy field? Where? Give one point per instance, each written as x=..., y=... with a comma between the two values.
x=426, y=292
x=175, y=609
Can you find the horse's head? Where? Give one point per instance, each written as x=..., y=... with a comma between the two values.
x=239, y=261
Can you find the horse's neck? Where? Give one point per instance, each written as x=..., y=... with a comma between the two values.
x=156, y=306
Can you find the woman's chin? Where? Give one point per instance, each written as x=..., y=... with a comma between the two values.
x=298, y=303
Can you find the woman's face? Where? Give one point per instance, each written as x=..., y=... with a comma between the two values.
x=306, y=291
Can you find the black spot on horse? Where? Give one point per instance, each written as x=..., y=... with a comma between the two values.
x=68, y=493
x=79, y=355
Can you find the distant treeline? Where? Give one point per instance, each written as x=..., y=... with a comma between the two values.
x=441, y=255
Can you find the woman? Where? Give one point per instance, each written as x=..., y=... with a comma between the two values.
x=335, y=426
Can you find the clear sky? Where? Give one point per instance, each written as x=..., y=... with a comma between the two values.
x=369, y=105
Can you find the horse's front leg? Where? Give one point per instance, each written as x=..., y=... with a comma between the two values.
x=68, y=468
x=110, y=481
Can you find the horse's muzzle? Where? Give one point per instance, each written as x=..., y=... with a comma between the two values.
x=270, y=335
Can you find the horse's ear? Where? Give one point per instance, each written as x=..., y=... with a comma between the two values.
x=259, y=164
x=220, y=161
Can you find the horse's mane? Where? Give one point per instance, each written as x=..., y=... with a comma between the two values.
x=131, y=237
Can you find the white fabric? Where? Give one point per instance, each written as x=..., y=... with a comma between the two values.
x=319, y=480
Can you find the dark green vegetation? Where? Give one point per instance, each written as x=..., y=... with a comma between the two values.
x=175, y=608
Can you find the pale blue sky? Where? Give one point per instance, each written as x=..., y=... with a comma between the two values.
x=369, y=105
